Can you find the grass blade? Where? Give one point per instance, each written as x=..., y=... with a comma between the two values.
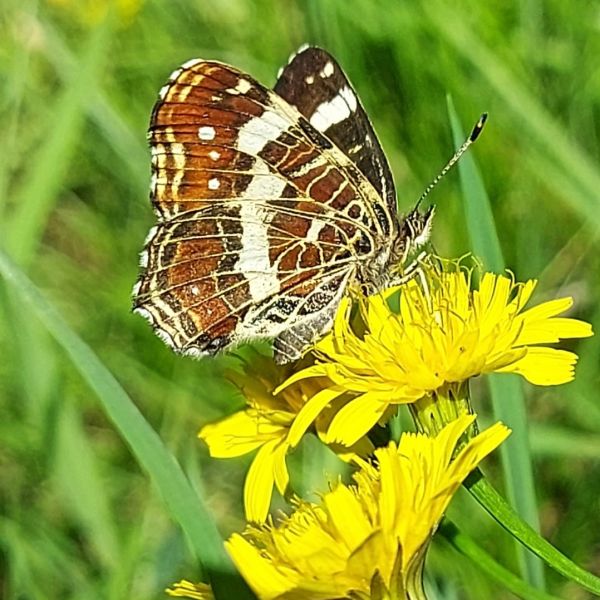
x=537, y=124
x=183, y=503
x=498, y=508
x=44, y=177
x=505, y=390
x=469, y=548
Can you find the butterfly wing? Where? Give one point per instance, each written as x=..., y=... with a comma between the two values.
x=262, y=220
x=316, y=85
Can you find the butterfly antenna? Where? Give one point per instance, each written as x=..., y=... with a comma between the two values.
x=477, y=129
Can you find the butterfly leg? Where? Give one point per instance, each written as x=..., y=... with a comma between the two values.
x=415, y=269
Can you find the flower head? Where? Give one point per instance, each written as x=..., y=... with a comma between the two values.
x=371, y=534
x=441, y=336
x=263, y=426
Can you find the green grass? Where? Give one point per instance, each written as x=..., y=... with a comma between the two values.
x=83, y=514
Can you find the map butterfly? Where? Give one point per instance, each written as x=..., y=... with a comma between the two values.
x=271, y=204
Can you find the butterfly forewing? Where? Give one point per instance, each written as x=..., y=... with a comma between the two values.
x=263, y=220
x=316, y=85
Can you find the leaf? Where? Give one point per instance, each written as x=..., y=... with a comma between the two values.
x=505, y=390
x=182, y=502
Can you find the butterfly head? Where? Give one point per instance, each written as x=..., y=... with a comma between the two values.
x=413, y=236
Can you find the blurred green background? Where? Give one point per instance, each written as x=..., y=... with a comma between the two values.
x=78, y=516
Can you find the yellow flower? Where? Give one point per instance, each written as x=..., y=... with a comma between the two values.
x=186, y=589
x=444, y=336
x=263, y=426
x=369, y=536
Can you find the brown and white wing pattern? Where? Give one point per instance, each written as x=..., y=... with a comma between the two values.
x=316, y=85
x=262, y=220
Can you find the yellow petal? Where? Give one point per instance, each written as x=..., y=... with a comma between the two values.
x=187, y=589
x=548, y=309
x=344, y=508
x=280, y=472
x=239, y=434
x=355, y=419
x=524, y=294
x=320, y=370
x=310, y=411
x=475, y=451
x=258, y=487
x=545, y=366
x=265, y=580
x=553, y=330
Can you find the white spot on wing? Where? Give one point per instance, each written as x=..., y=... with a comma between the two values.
x=144, y=313
x=163, y=91
x=243, y=86
x=191, y=63
x=175, y=74
x=259, y=131
x=292, y=57
x=327, y=70
x=310, y=79
x=206, y=133
x=312, y=235
x=143, y=259
x=165, y=337
x=214, y=155
x=150, y=235
x=334, y=111
x=194, y=352
x=294, y=54
x=214, y=184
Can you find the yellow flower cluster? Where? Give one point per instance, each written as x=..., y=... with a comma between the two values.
x=370, y=534
x=443, y=335
x=264, y=425
x=369, y=539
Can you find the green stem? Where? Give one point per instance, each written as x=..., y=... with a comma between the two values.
x=500, y=510
x=433, y=412
x=469, y=548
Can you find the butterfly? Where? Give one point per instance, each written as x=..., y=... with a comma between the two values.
x=271, y=206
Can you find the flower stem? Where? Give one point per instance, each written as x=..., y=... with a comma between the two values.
x=500, y=510
x=433, y=412
x=469, y=548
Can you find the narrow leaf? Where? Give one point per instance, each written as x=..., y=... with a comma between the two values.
x=505, y=390
x=183, y=503
x=468, y=547
x=498, y=508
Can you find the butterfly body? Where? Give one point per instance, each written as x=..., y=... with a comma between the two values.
x=270, y=204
